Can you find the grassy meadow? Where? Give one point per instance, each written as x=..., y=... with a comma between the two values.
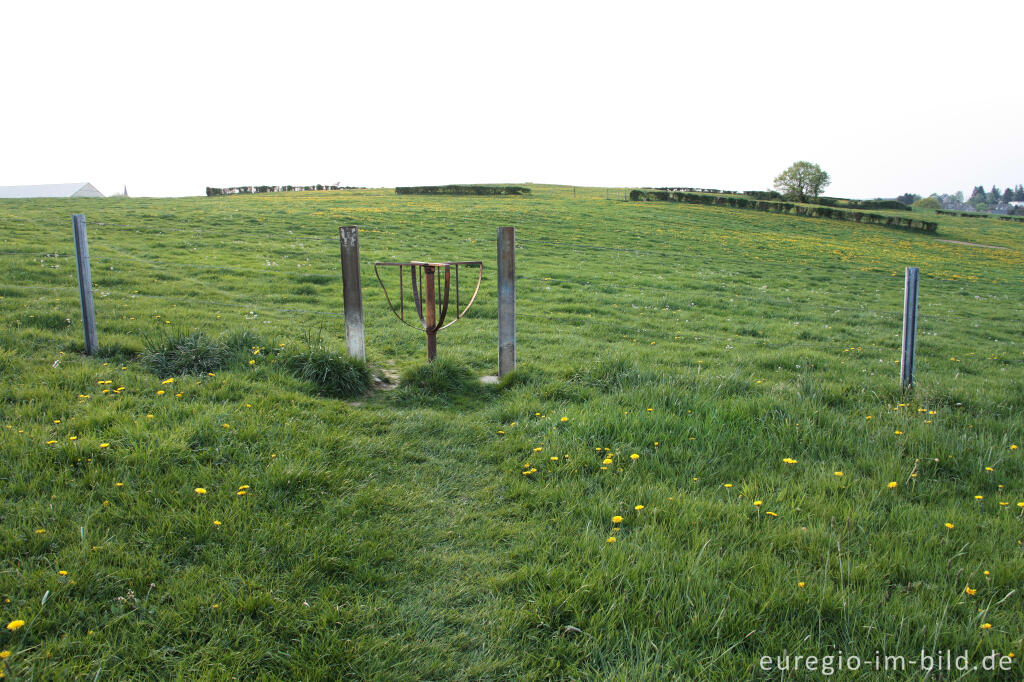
x=703, y=457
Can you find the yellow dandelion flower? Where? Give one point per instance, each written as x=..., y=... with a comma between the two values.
x=72, y=437
x=979, y=497
x=252, y=362
x=241, y=492
x=501, y=432
x=639, y=507
x=893, y=484
x=986, y=626
x=727, y=485
x=789, y=460
x=758, y=503
x=616, y=519
x=119, y=484
x=62, y=572
x=564, y=419
x=216, y=523
x=50, y=442
x=656, y=443
x=104, y=445
x=243, y=487
x=4, y=653
x=985, y=573
x=554, y=459
x=837, y=473
x=538, y=449
x=950, y=526
x=15, y=624
x=168, y=381
x=1004, y=504
x=199, y=491
x=149, y=416
x=770, y=513
x=898, y=433
x=611, y=538
x=226, y=426
x=801, y=584
x=606, y=461
x=40, y=531
x=971, y=591
x=989, y=469
x=634, y=456
x=868, y=417
x=1013, y=447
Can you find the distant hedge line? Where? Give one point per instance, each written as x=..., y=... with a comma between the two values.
x=475, y=190
x=868, y=204
x=982, y=215
x=836, y=202
x=785, y=207
x=262, y=189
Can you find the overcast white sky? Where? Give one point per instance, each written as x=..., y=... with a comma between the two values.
x=167, y=98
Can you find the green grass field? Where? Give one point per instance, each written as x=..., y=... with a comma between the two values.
x=729, y=364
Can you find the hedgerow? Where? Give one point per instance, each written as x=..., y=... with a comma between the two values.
x=784, y=207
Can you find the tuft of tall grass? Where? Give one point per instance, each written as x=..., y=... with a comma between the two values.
x=443, y=376
x=334, y=374
x=185, y=353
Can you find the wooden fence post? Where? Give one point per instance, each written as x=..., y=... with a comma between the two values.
x=909, y=328
x=506, y=300
x=85, y=283
x=352, y=288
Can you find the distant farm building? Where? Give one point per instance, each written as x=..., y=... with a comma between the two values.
x=74, y=189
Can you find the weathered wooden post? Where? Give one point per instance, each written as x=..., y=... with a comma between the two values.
x=85, y=283
x=909, y=328
x=352, y=288
x=506, y=300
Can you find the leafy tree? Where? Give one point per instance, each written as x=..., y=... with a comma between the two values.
x=930, y=203
x=995, y=196
x=1018, y=194
x=802, y=180
x=1007, y=194
x=908, y=198
x=977, y=195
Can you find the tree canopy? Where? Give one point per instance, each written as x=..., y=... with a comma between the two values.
x=802, y=180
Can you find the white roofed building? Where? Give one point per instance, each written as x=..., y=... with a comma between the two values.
x=74, y=189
